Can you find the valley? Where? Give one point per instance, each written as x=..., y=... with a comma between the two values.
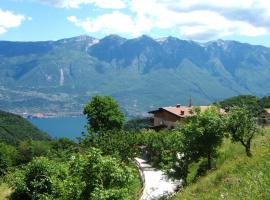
x=141, y=73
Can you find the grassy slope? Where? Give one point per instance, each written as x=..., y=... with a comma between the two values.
x=4, y=191
x=236, y=176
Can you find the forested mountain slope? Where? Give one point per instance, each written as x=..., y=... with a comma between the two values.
x=141, y=73
x=14, y=129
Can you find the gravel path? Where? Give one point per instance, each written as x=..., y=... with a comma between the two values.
x=157, y=184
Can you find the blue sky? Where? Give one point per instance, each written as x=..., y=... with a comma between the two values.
x=200, y=20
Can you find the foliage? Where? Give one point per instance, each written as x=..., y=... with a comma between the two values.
x=158, y=147
x=14, y=128
x=104, y=177
x=40, y=179
x=136, y=125
x=8, y=155
x=265, y=102
x=62, y=148
x=252, y=103
x=242, y=126
x=118, y=143
x=29, y=149
x=87, y=175
x=201, y=136
x=103, y=114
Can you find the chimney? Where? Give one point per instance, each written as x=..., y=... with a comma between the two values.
x=182, y=112
x=178, y=105
x=190, y=102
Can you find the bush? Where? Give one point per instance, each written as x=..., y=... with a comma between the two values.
x=39, y=179
x=8, y=155
x=85, y=176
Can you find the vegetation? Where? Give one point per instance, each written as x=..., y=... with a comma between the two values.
x=252, y=103
x=204, y=151
x=103, y=114
x=135, y=125
x=14, y=128
x=7, y=157
x=242, y=127
x=265, y=102
x=4, y=191
x=87, y=175
x=201, y=136
x=61, y=169
x=236, y=176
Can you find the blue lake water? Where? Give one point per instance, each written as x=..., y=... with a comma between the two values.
x=69, y=127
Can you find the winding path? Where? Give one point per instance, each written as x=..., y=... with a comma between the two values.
x=156, y=183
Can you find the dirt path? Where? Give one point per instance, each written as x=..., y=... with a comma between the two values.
x=157, y=184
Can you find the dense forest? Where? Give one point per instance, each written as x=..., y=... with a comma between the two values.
x=14, y=128
x=101, y=165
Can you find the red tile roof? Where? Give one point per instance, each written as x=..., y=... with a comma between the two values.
x=183, y=111
x=267, y=110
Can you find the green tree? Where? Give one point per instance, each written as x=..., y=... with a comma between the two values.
x=29, y=149
x=118, y=143
x=242, y=126
x=158, y=146
x=8, y=155
x=105, y=177
x=252, y=103
x=103, y=114
x=201, y=135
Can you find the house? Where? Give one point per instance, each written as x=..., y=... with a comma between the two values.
x=264, y=116
x=167, y=117
x=267, y=110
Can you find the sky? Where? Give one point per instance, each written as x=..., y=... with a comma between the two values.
x=200, y=20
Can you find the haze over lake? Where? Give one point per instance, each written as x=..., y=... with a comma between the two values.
x=69, y=127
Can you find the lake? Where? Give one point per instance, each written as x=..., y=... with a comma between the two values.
x=69, y=127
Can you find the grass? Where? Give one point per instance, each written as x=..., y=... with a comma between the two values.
x=136, y=187
x=4, y=191
x=236, y=176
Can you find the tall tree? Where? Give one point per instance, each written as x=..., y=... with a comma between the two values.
x=103, y=114
x=242, y=126
x=202, y=135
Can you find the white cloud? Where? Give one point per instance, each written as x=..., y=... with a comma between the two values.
x=106, y=4
x=9, y=20
x=115, y=22
x=193, y=19
x=2, y=30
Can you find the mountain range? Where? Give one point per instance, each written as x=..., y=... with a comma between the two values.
x=141, y=73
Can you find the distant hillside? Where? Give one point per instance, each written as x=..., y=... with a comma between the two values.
x=14, y=128
x=141, y=73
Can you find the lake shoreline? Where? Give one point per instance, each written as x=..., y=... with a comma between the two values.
x=63, y=126
x=41, y=115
